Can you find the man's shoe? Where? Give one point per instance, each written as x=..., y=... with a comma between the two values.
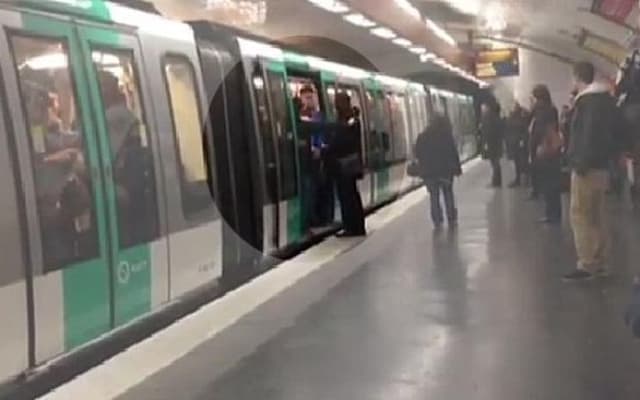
x=577, y=276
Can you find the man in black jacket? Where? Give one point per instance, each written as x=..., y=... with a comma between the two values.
x=593, y=129
x=439, y=163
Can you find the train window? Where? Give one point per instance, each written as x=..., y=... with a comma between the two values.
x=268, y=146
x=187, y=124
x=284, y=135
x=331, y=102
x=63, y=185
x=131, y=154
x=355, y=95
x=400, y=125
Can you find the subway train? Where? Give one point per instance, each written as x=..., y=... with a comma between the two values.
x=143, y=158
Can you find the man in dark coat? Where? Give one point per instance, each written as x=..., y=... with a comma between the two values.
x=518, y=141
x=439, y=163
x=491, y=132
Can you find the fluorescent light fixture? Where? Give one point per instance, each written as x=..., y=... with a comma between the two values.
x=471, y=7
x=408, y=8
x=427, y=57
x=440, y=32
x=402, y=42
x=359, y=20
x=418, y=50
x=383, y=32
x=333, y=6
x=495, y=17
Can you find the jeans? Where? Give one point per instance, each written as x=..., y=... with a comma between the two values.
x=589, y=217
x=496, y=168
x=444, y=186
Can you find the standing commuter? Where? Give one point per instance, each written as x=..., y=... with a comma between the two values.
x=345, y=164
x=590, y=153
x=314, y=178
x=517, y=141
x=439, y=163
x=492, y=139
x=545, y=127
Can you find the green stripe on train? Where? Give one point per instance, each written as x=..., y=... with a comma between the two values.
x=94, y=9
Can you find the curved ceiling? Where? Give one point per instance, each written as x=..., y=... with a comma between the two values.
x=598, y=30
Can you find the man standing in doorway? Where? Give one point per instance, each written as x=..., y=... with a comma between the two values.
x=590, y=151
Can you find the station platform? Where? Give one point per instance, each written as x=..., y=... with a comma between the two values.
x=409, y=313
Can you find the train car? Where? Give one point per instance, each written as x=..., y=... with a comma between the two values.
x=143, y=158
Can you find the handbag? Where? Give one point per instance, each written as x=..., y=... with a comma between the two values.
x=351, y=166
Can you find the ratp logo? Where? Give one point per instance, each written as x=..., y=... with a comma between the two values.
x=124, y=272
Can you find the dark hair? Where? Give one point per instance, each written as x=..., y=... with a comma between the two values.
x=541, y=93
x=585, y=72
x=307, y=89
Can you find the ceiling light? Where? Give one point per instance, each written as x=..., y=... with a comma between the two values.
x=418, y=50
x=384, y=33
x=402, y=42
x=333, y=6
x=427, y=57
x=359, y=20
x=409, y=8
x=495, y=17
x=441, y=33
x=466, y=6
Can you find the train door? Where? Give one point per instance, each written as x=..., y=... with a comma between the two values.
x=14, y=281
x=365, y=185
x=290, y=218
x=129, y=159
x=62, y=185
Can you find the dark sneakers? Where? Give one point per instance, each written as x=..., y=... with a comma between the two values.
x=577, y=276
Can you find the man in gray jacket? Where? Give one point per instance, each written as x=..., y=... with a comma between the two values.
x=590, y=152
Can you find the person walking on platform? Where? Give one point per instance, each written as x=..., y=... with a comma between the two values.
x=517, y=141
x=548, y=153
x=438, y=164
x=345, y=164
x=492, y=139
x=590, y=152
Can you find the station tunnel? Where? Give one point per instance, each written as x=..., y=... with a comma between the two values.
x=320, y=199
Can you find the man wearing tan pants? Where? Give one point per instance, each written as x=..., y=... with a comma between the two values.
x=592, y=147
x=589, y=217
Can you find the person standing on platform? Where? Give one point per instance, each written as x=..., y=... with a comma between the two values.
x=548, y=153
x=590, y=152
x=345, y=164
x=492, y=139
x=517, y=141
x=438, y=164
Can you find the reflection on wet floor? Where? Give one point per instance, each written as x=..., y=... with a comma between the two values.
x=474, y=313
